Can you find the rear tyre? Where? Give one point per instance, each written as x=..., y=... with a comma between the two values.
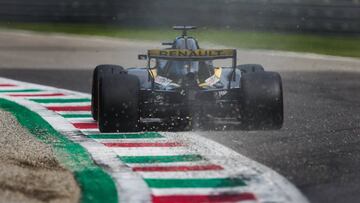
x=262, y=101
x=119, y=103
x=99, y=72
x=250, y=68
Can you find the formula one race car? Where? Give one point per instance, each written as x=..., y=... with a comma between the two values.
x=182, y=82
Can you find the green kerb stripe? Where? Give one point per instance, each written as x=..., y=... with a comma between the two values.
x=195, y=183
x=76, y=115
x=160, y=159
x=20, y=90
x=96, y=185
x=61, y=100
x=126, y=136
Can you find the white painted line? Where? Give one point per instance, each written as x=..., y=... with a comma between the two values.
x=46, y=97
x=67, y=104
x=89, y=131
x=186, y=163
x=86, y=121
x=199, y=191
x=185, y=175
x=79, y=120
x=127, y=140
x=150, y=151
x=74, y=112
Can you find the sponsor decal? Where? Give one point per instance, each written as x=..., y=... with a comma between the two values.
x=185, y=53
x=212, y=80
x=162, y=81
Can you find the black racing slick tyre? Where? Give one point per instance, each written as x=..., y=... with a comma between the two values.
x=119, y=103
x=98, y=73
x=250, y=68
x=262, y=101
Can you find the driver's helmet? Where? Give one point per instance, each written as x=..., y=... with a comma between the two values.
x=177, y=69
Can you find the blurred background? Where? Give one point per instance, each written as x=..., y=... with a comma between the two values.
x=281, y=15
x=330, y=27
x=59, y=42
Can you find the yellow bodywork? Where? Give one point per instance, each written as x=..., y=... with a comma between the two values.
x=153, y=72
x=217, y=72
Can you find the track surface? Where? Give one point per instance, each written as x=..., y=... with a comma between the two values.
x=318, y=148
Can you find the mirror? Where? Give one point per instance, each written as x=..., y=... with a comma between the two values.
x=152, y=63
x=167, y=43
x=142, y=57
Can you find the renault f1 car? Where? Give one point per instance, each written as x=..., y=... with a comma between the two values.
x=182, y=82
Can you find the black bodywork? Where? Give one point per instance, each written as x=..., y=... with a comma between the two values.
x=157, y=103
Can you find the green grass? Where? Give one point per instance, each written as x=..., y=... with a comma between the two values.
x=340, y=45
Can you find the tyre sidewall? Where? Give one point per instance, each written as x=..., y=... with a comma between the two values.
x=119, y=103
x=98, y=73
x=262, y=100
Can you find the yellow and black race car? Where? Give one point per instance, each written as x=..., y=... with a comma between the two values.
x=184, y=82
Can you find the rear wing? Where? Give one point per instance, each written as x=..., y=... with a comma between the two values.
x=194, y=55
x=186, y=54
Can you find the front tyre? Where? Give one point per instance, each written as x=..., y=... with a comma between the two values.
x=262, y=101
x=119, y=103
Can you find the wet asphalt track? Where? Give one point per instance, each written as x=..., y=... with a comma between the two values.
x=318, y=148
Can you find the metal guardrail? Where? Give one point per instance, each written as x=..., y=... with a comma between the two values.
x=295, y=15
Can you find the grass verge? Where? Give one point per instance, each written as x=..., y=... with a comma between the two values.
x=340, y=45
x=96, y=185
